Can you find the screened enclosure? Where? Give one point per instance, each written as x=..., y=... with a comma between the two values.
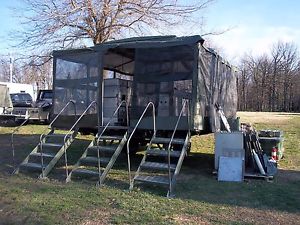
x=164, y=70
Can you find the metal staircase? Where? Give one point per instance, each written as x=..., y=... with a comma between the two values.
x=102, y=153
x=48, y=151
x=163, y=158
x=52, y=146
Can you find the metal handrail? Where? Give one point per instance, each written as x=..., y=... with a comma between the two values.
x=56, y=117
x=72, y=130
x=63, y=109
x=99, y=136
x=136, y=126
x=185, y=102
x=50, y=127
x=12, y=144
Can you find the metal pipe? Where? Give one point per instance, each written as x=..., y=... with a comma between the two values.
x=70, y=131
x=99, y=136
x=50, y=127
x=172, y=137
x=137, y=124
x=62, y=110
x=12, y=144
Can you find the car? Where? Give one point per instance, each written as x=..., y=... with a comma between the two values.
x=44, y=99
x=21, y=100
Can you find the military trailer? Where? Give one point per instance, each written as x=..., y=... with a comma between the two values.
x=159, y=89
x=163, y=70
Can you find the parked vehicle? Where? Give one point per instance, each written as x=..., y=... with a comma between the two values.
x=21, y=88
x=41, y=110
x=21, y=100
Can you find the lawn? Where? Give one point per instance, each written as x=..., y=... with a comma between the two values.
x=200, y=198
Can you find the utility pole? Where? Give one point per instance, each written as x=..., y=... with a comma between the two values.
x=11, y=62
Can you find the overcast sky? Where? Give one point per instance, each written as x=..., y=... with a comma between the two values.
x=254, y=25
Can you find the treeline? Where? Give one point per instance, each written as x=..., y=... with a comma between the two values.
x=28, y=70
x=270, y=82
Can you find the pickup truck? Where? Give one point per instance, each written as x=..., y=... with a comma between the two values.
x=42, y=107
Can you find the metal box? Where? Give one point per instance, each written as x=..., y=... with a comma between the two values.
x=228, y=145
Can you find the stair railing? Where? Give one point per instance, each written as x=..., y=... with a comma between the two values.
x=52, y=130
x=184, y=104
x=104, y=129
x=71, y=130
x=12, y=144
x=150, y=104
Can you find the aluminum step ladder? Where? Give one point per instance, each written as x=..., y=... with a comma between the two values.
x=52, y=147
x=161, y=165
x=47, y=153
x=102, y=153
x=49, y=150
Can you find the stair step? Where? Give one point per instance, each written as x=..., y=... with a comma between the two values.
x=94, y=160
x=153, y=179
x=106, y=137
x=163, y=153
x=86, y=172
x=106, y=148
x=115, y=127
x=47, y=155
x=36, y=166
x=158, y=166
x=159, y=140
x=57, y=135
x=52, y=145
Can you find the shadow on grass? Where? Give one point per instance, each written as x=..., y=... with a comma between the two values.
x=24, y=144
x=195, y=181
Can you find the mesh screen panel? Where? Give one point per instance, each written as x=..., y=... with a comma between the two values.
x=164, y=77
x=76, y=81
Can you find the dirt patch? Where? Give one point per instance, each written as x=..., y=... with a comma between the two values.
x=187, y=219
x=9, y=216
x=100, y=216
x=235, y=215
x=259, y=216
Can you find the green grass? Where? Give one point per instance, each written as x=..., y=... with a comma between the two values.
x=200, y=198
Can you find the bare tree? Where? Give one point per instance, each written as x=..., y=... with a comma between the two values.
x=271, y=83
x=4, y=69
x=290, y=63
x=243, y=82
x=30, y=72
x=39, y=73
x=65, y=23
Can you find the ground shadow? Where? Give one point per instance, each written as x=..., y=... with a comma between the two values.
x=195, y=181
x=24, y=144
